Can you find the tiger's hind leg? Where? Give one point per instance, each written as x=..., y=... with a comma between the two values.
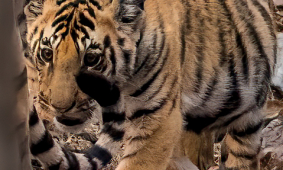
x=240, y=148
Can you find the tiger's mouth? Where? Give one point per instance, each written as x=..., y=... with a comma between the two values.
x=77, y=115
x=73, y=121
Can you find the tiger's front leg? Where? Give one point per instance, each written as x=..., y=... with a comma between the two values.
x=150, y=141
x=240, y=148
x=150, y=134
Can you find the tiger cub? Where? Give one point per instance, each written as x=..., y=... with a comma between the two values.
x=159, y=69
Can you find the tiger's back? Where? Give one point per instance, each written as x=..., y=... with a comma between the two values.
x=230, y=57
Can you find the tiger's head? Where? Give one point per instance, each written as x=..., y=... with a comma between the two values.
x=66, y=36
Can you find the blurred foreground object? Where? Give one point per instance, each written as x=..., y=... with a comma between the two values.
x=10, y=154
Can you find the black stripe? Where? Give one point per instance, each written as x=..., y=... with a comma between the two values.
x=64, y=8
x=127, y=54
x=222, y=32
x=243, y=55
x=91, y=12
x=154, y=39
x=33, y=117
x=174, y=102
x=143, y=63
x=33, y=33
x=267, y=18
x=159, y=88
x=151, y=67
x=233, y=118
x=82, y=29
x=68, y=20
x=75, y=36
x=59, y=2
x=80, y=2
x=35, y=10
x=243, y=155
x=223, y=54
x=251, y=129
x=224, y=154
x=113, y=117
x=107, y=41
x=60, y=19
x=55, y=167
x=69, y=122
x=161, y=50
x=185, y=31
x=234, y=100
x=95, y=3
x=60, y=27
x=265, y=15
x=85, y=32
x=237, y=139
x=146, y=65
x=113, y=60
x=140, y=39
x=146, y=85
x=263, y=58
x=99, y=153
x=200, y=55
x=85, y=21
x=121, y=41
x=145, y=112
x=76, y=26
x=239, y=42
x=197, y=124
x=72, y=160
x=44, y=145
x=41, y=34
x=116, y=135
x=92, y=163
x=210, y=89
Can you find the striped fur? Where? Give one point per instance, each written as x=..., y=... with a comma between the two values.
x=159, y=69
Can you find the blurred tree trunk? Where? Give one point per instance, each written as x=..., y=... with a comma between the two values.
x=9, y=69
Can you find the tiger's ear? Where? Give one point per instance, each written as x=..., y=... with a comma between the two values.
x=33, y=9
x=130, y=11
x=131, y=17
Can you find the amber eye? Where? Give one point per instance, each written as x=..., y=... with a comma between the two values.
x=92, y=59
x=46, y=54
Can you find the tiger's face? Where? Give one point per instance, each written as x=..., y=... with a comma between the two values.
x=68, y=36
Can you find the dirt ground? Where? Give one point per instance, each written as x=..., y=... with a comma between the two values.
x=272, y=138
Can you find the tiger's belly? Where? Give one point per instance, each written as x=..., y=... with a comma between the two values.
x=220, y=105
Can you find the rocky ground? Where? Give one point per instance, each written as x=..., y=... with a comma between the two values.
x=272, y=137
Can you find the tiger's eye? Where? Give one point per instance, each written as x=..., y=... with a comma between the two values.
x=47, y=54
x=92, y=59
